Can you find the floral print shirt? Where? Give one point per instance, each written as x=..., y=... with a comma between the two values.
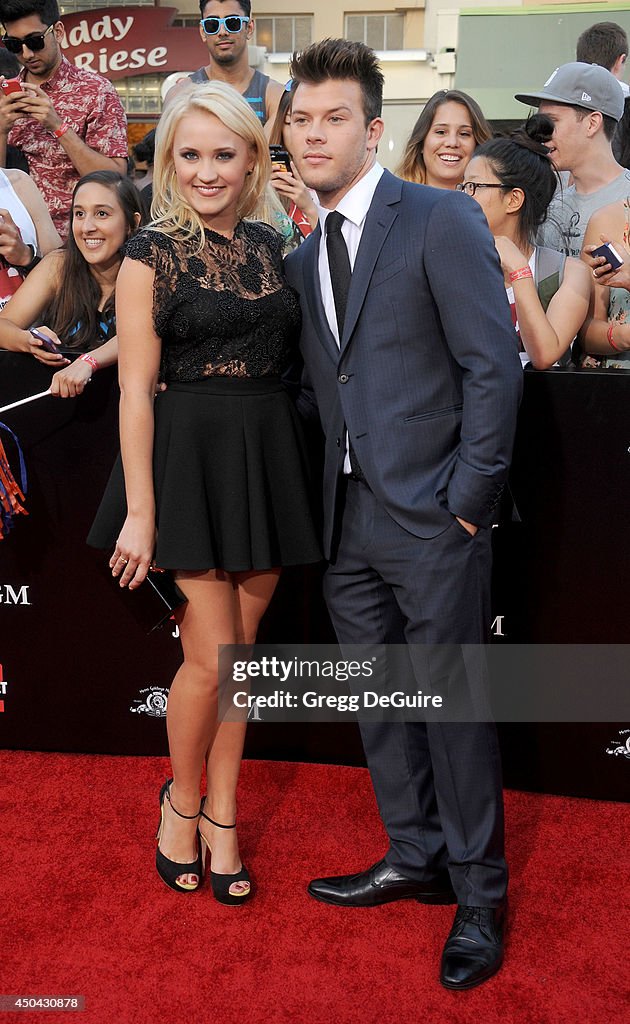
x=90, y=105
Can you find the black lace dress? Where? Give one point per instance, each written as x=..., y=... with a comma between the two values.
x=230, y=466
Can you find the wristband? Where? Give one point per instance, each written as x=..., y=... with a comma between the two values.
x=517, y=275
x=87, y=358
x=609, y=336
x=61, y=130
x=35, y=259
x=26, y=267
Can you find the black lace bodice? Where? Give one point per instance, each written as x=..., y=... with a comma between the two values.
x=226, y=312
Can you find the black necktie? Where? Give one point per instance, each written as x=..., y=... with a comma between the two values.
x=340, y=274
x=339, y=264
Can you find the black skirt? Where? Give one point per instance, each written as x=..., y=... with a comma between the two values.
x=231, y=479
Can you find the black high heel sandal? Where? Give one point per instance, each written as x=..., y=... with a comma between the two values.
x=170, y=870
x=221, y=883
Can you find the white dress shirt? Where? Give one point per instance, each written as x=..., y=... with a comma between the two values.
x=354, y=207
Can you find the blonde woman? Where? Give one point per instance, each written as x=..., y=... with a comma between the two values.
x=214, y=468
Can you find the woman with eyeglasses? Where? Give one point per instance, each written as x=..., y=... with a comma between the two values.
x=513, y=180
x=443, y=140
x=215, y=467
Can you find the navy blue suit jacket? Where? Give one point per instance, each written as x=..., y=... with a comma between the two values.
x=428, y=377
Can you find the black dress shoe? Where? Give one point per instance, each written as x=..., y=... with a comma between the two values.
x=474, y=948
x=380, y=884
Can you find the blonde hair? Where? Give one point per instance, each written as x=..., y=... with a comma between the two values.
x=170, y=212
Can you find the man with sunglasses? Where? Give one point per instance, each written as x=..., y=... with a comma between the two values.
x=226, y=28
x=68, y=121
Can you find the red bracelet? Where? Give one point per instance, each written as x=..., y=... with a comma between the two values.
x=609, y=337
x=517, y=275
x=87, y=358
x=61, y=130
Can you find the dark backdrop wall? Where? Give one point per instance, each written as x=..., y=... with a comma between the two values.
x=77, y=674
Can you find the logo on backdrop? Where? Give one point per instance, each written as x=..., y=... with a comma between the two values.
x=620, y=747
x=14, y=595
x=3, y=689
x=152, y=701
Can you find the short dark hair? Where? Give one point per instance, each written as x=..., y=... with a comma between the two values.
x=522, y=161
x=9, y=64
x=342, y=59
x=610, y=125
x=145, y=149
x=13, y=10
x=245, y=6
x=602, y=44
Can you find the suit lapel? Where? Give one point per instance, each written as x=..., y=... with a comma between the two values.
x=378, y=223
x=313, y=291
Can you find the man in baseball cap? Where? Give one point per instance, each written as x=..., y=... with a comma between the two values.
x=584, y=102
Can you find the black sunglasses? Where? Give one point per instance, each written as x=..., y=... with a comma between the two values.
x=34, y=41
x=233, y=23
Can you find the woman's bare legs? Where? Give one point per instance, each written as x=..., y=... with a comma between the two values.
x=222, y=608
x=252, y=594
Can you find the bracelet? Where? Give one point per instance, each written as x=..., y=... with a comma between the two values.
x=35, y=259
x=87, y=358
x=61, y=130
x=517, y=275
x=609, y=337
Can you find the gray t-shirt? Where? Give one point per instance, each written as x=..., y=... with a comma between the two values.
x=569, y=214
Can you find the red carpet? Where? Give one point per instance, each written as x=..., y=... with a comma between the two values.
x=84, y=913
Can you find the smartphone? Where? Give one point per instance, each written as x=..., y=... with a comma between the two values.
x=610, y=253
x=47, y=343
x=280, y=159
x=10, y=85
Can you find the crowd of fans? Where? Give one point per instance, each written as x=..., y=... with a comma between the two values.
x=552, y=191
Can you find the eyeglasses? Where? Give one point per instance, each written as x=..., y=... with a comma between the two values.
x=234, y=23
x=470, y=187
x=34, y=41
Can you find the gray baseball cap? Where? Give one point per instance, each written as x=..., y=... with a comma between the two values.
x=580, y=85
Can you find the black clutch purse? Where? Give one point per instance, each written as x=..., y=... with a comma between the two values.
x=154, y=601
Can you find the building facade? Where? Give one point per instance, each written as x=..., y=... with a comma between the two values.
x=490, y=49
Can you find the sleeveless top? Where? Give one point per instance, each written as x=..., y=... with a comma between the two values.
x=255, y=92
x=227, y=311
x=547, y=266
x=105, y=331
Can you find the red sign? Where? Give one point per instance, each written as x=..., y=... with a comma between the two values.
x=122, y=41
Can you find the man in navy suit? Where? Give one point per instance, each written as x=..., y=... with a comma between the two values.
x=412, y=360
